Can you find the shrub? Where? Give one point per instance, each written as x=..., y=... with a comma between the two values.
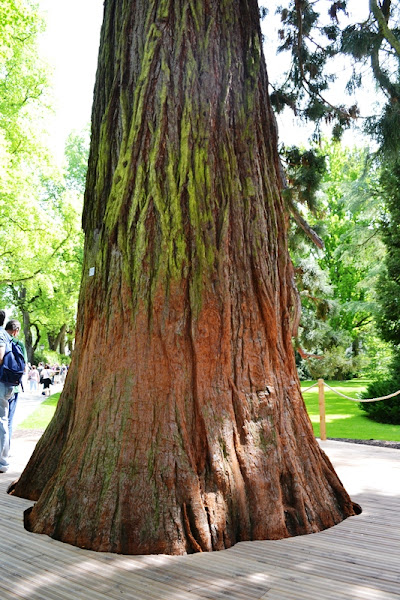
x=302, y=368
x=335, y=365
x=50, y=357
x=384, y=411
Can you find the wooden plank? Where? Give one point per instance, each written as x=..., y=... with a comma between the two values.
x=357, y=559
x=328, y=575
x=185, y=583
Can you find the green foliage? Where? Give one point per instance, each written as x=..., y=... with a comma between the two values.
x=388, y=290
x=317, y=41
x=353, y=249
x=389, y=281
x=312, y=42
x=280, y=99
x=385, y=411
x=318, y=304
x=353, y=192
x=263, y=12
x=25, y=164
x=77, y=154
x=335, y=364
x=385, y=128
x=50, y=357
x=24, y=161
x=304, y=169
x=23, y=80
x=357, y=40
x=337, y=283
x=43, y=280
x=40, y=238
x=377, y=41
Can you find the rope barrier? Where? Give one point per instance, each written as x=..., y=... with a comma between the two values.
x=321, y=400
x=353, y=399
x=310, y=388
x=363, y=399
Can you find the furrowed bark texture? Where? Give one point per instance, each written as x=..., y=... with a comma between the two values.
x=181, y=427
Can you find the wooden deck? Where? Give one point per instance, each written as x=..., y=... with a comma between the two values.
x=358, y=559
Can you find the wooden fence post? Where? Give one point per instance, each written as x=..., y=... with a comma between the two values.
x=321, y=398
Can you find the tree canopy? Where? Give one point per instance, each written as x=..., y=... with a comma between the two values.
x=40, y=236
x=319, y=41
x=320, y=37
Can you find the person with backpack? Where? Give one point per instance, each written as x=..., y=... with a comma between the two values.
x=12, y=403
x=12, y=367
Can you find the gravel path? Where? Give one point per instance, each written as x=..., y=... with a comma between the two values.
x=381, y=443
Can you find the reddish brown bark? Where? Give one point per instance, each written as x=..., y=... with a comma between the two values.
x=181, y=427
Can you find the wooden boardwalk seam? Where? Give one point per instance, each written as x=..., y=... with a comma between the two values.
x=358, y=559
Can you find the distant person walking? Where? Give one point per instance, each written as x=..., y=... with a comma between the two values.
x=33, y=378
x=63, y=374
x=46, y=377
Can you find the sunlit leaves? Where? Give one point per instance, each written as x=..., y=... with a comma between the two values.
x=40, y=235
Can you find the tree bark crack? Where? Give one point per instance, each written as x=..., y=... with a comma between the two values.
x=195, y=545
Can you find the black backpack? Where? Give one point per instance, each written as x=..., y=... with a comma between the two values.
x=13, y=366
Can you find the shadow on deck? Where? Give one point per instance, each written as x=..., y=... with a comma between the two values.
x=358, y=559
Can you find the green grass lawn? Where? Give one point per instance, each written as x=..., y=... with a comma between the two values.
x=41, y=417
x=344, y=418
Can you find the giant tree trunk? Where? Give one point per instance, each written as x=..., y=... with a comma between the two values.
x=181, y=427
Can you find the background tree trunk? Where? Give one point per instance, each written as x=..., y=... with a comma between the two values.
x=26, y=320
x=19, y=295
x=52, y=340
x=37, y=339
x=63, y=339
x=181, y=427
x=57, y=342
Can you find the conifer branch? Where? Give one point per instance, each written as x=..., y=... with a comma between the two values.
x=308, y=230
x=306, y=355
x=383, y=26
